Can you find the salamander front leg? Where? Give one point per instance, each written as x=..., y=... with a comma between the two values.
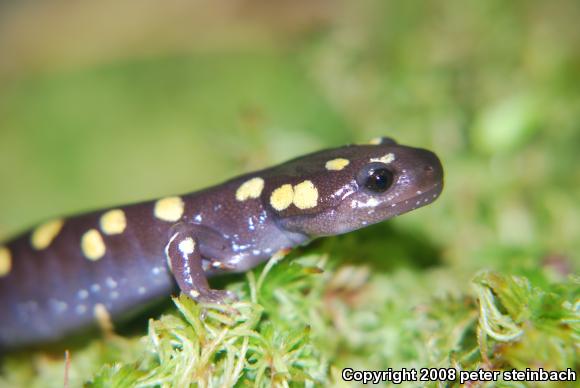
x=186, y=264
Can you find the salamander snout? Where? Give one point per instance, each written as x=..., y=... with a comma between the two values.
x=428, y=171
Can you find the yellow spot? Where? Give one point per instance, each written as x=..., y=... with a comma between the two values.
x=103, y=318
x=169, y=209
x=187, y=246
x=44, y=234
x=337, y=164
x=305, y=195
x=376, y=140
x=93, y=245
x=282, y=197
x=194, y=293
x=5, y=261
x=386, y=159
x=113, y=222
x=250, y=189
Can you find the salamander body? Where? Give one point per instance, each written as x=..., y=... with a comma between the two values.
x=56, y=278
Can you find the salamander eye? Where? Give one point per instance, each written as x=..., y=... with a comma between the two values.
x=377, y=179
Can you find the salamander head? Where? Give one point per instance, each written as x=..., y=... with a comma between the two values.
x=343, y=189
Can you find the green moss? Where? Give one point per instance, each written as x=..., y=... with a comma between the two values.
x=302, y=321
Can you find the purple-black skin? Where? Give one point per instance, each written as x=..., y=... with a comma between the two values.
x=50, y=293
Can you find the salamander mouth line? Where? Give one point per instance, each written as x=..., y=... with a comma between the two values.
x=420, y=200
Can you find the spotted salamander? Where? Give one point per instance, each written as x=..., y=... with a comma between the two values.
x=64, y=274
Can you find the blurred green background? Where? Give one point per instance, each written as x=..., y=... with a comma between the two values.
x=111, y=102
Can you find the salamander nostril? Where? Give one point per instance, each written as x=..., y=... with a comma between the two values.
x=428, y=169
